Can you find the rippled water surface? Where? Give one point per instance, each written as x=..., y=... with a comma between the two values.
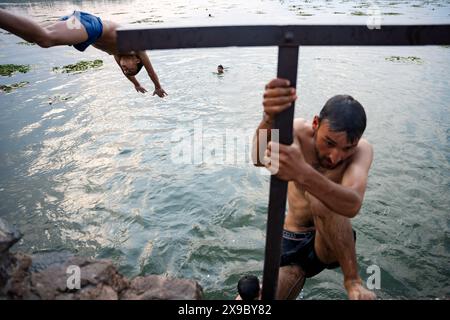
x=87, y=164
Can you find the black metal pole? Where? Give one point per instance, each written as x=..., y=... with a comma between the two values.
x=287, y=69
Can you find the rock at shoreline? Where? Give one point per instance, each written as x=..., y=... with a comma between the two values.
x=54, y=276
x=8, y=236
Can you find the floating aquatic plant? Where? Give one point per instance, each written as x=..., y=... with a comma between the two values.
x=58, y=98
x=26, y=43
x=79, y=66
x=358, y=13
x=148, y=20
x=404, y=59
x=9, y=69
x=11, y=87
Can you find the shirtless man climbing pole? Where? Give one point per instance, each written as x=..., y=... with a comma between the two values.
x=327, y=168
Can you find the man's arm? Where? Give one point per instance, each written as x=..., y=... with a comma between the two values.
x=345, y=198
x=265, y=124
x=152, y=74
x=133, y=79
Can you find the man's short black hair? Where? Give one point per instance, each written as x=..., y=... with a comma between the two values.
x=344, y=113
x=248, y=287
x=220, y=66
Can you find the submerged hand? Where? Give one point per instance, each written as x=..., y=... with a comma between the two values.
x=160, y=92
x=140, y=89
x=356, y=291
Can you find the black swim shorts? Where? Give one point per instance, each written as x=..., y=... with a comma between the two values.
x=298, y=248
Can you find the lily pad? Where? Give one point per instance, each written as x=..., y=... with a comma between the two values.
x=26, y=43
x=404, y=59
x=358, y=13
x=11, y=87
x=304, y=14
x=9, y=69
x=148, y=20
x=58, y=98
x=79, y=66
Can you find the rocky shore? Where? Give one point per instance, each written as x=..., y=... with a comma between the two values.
x=60, y=275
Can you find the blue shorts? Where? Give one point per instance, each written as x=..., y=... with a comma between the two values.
x=93, y=26
x=298, y=248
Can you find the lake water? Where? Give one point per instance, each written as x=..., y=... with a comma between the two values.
x=87, y=164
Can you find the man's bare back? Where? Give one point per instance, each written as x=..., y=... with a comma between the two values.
x=108, y=40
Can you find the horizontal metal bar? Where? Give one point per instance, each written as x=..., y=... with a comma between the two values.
x=272, y=35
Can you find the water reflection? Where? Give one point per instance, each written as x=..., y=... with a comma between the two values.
x=93, y=173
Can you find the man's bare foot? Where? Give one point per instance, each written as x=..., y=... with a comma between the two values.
x=356, y=291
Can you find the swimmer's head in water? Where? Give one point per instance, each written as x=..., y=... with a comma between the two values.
x=219, y=68
x=337, y=130
x=248, y=288
x=131, y=64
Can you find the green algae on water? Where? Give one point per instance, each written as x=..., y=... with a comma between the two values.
x=26, y=43
x=11, y=87
x=358, y=13
x=58, y=98
x=9, y=69
x=404, y=59
x=79, y=66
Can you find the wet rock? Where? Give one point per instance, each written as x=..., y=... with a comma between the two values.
x=8, y=236
x=99, y=279
x=14, y=276
x=155, y=287
x=43, y=260
x=50, y=276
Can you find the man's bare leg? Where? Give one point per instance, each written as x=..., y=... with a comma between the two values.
x=56, y=34
x=291, y=280
x=335, y=242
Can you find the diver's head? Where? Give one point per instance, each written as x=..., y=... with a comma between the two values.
x=131, y=64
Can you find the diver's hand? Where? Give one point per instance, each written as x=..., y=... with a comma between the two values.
x=278, y=96
x=160, y=92
x=141, y=89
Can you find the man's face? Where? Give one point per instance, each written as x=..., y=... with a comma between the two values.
x=219, y=69
x=332, y=148
x=129, y=64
